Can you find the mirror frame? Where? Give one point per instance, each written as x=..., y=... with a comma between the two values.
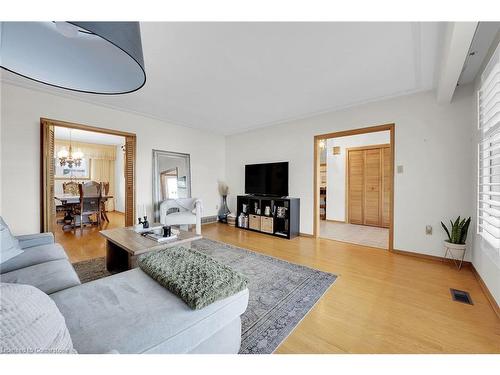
x=156, y=181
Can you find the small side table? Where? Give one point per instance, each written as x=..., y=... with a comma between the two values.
x=450, y=247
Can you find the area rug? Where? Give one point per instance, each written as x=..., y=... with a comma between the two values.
x=93, y=269
x=281, y=293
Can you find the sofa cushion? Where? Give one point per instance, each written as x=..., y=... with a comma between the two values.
x=37, y=239
x=49, y=277
x=9, y=245
x=34, y=255
x=131, y=313
x=30, y=322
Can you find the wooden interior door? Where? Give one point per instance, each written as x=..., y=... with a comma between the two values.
x=356, y=183
x=48, y=168
x=386, y=187
x=369, y=171
x=372, y=188
x=130, y=145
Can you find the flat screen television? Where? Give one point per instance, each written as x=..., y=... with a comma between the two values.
x=267, y=179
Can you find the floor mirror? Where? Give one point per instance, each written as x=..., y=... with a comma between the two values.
x=171, y=178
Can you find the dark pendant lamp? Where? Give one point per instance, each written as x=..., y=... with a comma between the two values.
x=91, y=57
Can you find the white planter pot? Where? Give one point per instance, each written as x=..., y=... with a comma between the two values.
x=450, y=247
x=454, y=246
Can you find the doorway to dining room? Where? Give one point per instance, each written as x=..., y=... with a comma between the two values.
x=87, y=185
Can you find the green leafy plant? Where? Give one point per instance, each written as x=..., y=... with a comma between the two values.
x=458, y=231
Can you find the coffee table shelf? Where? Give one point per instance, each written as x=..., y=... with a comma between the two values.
x=124, y=245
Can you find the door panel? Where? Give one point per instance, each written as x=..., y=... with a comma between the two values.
x=130, y=144
x=373, y=180
x=386, y=187
x=356, y=186
x=369, y=173
x=48, y=179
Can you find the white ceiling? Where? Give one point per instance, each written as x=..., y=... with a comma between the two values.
x=78, y=135
x=231, y=77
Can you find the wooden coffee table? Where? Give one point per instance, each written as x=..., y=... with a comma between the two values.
x=124, y=245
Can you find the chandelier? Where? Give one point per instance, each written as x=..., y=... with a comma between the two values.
x=68, y=157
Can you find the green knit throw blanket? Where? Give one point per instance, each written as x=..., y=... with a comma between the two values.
x=196, y=278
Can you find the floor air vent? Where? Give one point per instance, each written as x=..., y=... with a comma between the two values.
x=461, y=296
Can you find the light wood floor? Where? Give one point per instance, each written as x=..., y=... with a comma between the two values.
x=91, y=244
x=381, y=302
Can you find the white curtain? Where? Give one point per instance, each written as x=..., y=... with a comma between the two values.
x=102, y=170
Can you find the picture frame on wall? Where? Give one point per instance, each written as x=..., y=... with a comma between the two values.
x=65, y=173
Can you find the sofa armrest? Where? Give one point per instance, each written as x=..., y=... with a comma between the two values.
x=38, y=239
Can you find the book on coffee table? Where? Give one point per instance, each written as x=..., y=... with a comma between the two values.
x=139, y=229
x=160, y=238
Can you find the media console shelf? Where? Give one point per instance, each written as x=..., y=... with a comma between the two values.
x=279, y=217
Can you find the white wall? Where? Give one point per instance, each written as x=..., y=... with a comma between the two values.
x=20, y=175
x=485, y=258
x=433, y=143
x=119, y=180
x=1, y=127
x=336, y=165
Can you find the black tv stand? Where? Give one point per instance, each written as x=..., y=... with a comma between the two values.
x=277, y=216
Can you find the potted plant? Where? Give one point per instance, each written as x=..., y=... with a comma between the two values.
x=457, y=235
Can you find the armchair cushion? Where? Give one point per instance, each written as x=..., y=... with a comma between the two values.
x=181, y=211
x=37, y=239
x=180, y=218
x=9, y=245
x=34, y=255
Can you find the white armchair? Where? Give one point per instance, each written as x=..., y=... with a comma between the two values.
x=181, y=211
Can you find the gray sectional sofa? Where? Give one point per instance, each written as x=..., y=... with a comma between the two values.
x=125, y=313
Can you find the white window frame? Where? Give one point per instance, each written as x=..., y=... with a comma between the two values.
x=488, y=113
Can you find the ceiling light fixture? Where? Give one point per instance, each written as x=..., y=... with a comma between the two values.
x=70, y=158
x=91, y=57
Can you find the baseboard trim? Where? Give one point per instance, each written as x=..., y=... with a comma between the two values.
x=209, y=219
x=486, y=291
x=335, y=221
x=305, y=235
x=428, y=257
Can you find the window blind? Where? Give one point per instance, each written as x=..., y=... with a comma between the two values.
x=488, y=215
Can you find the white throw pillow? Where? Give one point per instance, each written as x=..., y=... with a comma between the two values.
x=9, y=245
x=30, y=322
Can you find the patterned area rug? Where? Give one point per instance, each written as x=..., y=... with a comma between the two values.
x=281, y=293
x=93, y=269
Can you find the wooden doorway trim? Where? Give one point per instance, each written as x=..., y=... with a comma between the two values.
x=345, y=133
x=47, y=168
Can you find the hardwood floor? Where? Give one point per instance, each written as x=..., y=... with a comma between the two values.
x=91, y=244
x=382, y=302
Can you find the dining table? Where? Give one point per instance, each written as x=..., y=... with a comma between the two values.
x=68, y=201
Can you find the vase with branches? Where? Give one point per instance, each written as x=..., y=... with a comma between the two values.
x=223, y=210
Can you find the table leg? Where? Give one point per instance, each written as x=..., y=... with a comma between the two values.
x=117, y=259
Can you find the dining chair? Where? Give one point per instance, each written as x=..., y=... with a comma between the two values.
x=90, y=203
x=71, y=187
x=105, y=192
